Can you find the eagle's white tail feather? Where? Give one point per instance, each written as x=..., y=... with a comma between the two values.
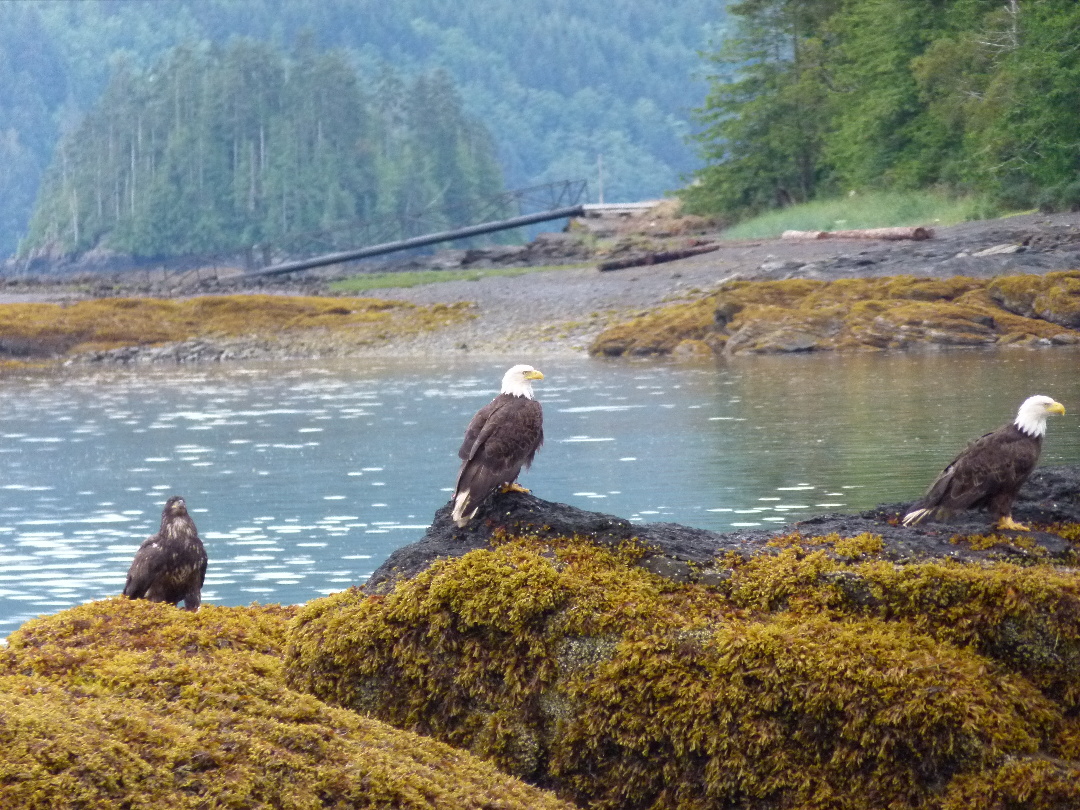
x=913, y=517
x=461, y=503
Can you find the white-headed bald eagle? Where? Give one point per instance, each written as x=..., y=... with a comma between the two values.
x=502, y=438
x=990, y=471
x=170, y=565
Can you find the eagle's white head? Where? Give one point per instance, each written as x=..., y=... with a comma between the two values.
x=1031, y=418
x=517, y=381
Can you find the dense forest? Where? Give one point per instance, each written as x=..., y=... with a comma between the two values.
x=558, y=84
x=816, y=98
x=217, y=149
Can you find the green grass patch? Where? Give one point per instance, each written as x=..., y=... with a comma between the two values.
x=875, y=209
x=414, y=278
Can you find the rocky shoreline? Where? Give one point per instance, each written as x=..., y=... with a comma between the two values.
x=564, y=311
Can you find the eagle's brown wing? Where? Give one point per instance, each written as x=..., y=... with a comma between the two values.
x=169, y=568
x=502, y=438
x=989, y=472
x=147, y=567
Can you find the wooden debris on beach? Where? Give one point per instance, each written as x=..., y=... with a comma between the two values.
x=656, y=257
x=917, y=233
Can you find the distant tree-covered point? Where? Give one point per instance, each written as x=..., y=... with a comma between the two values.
x=593, y=89
x=217, y=148
x=817, y=98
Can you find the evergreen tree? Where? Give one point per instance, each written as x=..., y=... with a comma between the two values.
x=816, y=96
x=768, y=110
x=224, y=148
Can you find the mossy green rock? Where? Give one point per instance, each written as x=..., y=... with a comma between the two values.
x=820, y=676
x=139, y=705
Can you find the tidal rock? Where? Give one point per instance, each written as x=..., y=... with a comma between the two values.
x=1051, y=496
x=841, y=662
x=121, y=703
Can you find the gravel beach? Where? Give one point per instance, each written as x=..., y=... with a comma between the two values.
x=562, y=311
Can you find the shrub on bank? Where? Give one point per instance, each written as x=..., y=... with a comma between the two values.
x=868, y=209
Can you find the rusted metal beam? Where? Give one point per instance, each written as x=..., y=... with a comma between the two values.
x=419, y=241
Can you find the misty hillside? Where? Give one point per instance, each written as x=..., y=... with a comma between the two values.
x=562, y=87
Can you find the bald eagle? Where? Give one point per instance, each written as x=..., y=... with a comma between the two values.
x=991, y=470
x=170, y=565
x=502, y=438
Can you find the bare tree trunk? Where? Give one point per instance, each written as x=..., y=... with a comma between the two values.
x=917, y=233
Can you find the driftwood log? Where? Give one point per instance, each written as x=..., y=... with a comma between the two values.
x=656, y=257
x=917, y=234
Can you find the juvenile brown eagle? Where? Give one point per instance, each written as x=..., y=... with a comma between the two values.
x=991, y=470
x=170, y=565
x=502, y=438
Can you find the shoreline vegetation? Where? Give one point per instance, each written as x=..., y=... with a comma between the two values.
x=235, y=326
x=757, y=317
x=746, y=296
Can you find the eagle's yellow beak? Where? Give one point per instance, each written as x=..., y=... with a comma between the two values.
x=1057, y=407
x=536, y=375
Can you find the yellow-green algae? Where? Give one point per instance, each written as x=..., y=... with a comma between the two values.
x=42, y=330
x=1053, y=297
x=815, y=677
x=894, y=312
x=138, y=705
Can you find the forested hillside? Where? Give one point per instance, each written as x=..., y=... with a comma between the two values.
x=557, y=84
x=218, y=149
x=823, y=97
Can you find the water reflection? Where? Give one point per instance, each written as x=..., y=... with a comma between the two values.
x=302, y=478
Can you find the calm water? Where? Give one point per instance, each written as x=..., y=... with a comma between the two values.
x=303, y=478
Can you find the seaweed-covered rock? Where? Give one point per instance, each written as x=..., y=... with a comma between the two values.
x=135, y=704
x=1050, y=498
x=659, y=667
x=1054, y=297
x=893, y=312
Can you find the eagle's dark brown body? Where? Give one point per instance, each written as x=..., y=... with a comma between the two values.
x=502, y=438
x=987, y=475
x=171, y=565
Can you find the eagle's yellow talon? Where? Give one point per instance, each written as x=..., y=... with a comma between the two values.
x=515, y=487
x=1008, y=524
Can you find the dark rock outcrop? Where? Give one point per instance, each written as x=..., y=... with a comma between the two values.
x=685, y=554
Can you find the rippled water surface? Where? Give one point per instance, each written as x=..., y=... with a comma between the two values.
x=302, y=478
